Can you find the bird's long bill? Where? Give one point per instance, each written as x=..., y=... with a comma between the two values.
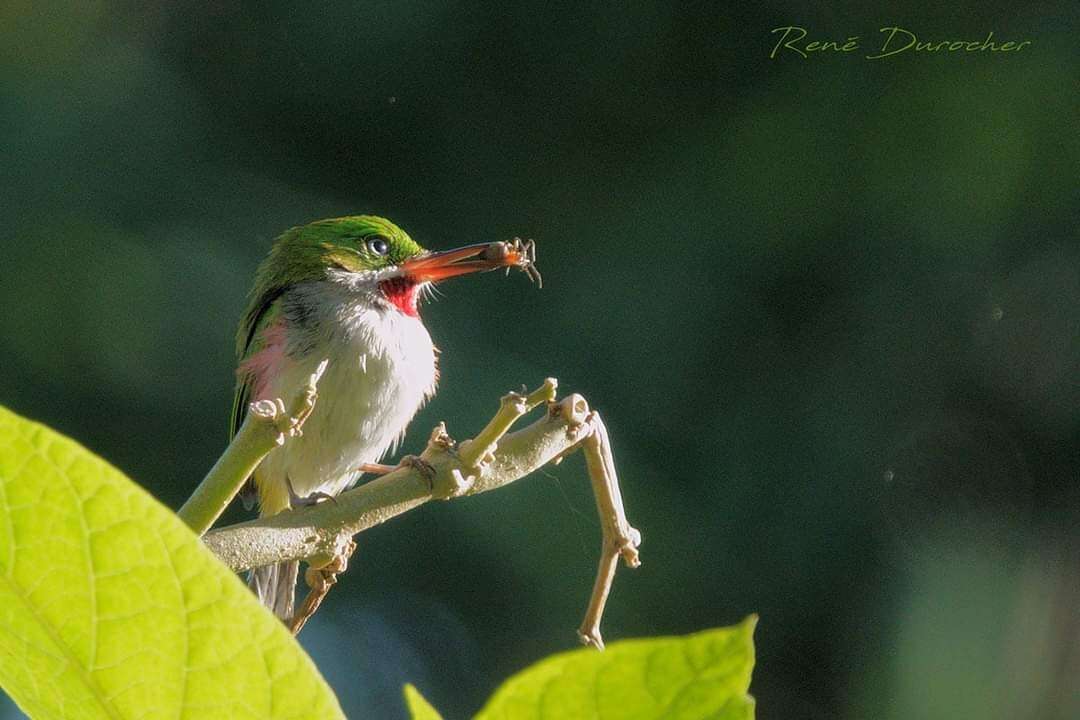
x=434, y=267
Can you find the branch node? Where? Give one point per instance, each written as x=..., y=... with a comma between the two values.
x=459, y=485
x=320, y=579
x=265, y=409
x=341, y=545
x=543, y=394
x=628, y=547
x=440, y=439
x=573, y=408
x=591, y=637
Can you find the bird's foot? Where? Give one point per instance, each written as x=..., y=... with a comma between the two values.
x=296, y=501
x=454, y=485
x=420, y=465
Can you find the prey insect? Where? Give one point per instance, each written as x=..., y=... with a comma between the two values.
x=516, y=253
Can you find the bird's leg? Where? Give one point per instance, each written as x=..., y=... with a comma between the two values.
x=376, y=468
x=296, y=501
x=409, y=461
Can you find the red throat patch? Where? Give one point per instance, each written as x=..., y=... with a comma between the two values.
x=401, y=292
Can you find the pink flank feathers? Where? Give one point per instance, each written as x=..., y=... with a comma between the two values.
x=268, y=362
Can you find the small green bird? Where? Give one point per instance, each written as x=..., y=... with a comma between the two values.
x=347, y=290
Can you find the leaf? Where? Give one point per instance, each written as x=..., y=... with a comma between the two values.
x=419, y=708
x=111, y=608
x=705, y=675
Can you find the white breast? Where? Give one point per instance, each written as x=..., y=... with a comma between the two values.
x=382, y=369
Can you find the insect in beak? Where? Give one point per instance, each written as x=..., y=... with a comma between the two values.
x=434, y=267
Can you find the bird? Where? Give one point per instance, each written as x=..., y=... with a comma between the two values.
x=346, y=290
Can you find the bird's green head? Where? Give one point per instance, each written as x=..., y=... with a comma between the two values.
x=369, y=254
x=355, y=244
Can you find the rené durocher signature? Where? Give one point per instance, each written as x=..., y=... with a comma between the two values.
x=895, y=41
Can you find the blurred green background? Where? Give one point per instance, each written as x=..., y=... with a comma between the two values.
x=828, y=307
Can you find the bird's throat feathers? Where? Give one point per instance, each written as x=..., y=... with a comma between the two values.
x=402, y=293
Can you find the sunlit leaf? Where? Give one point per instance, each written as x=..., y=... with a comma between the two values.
x=705, y=675
x=111, y=608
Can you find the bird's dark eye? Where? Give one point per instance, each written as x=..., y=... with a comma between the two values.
x=378, y=245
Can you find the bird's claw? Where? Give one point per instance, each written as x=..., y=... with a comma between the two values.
x=420, y=465
x=296, y=501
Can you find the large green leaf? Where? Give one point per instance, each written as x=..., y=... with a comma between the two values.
x=705, y=675
x=111, y=608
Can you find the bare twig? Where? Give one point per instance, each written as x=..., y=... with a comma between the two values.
x=619, y=538
x=511, y=407
x=321, y=534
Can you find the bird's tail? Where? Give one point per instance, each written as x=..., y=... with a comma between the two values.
x=275, y=586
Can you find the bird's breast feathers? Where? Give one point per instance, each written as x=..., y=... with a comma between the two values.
x=382, y=369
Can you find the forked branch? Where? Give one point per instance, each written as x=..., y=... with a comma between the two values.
x=322, y=534
x=268, y=424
